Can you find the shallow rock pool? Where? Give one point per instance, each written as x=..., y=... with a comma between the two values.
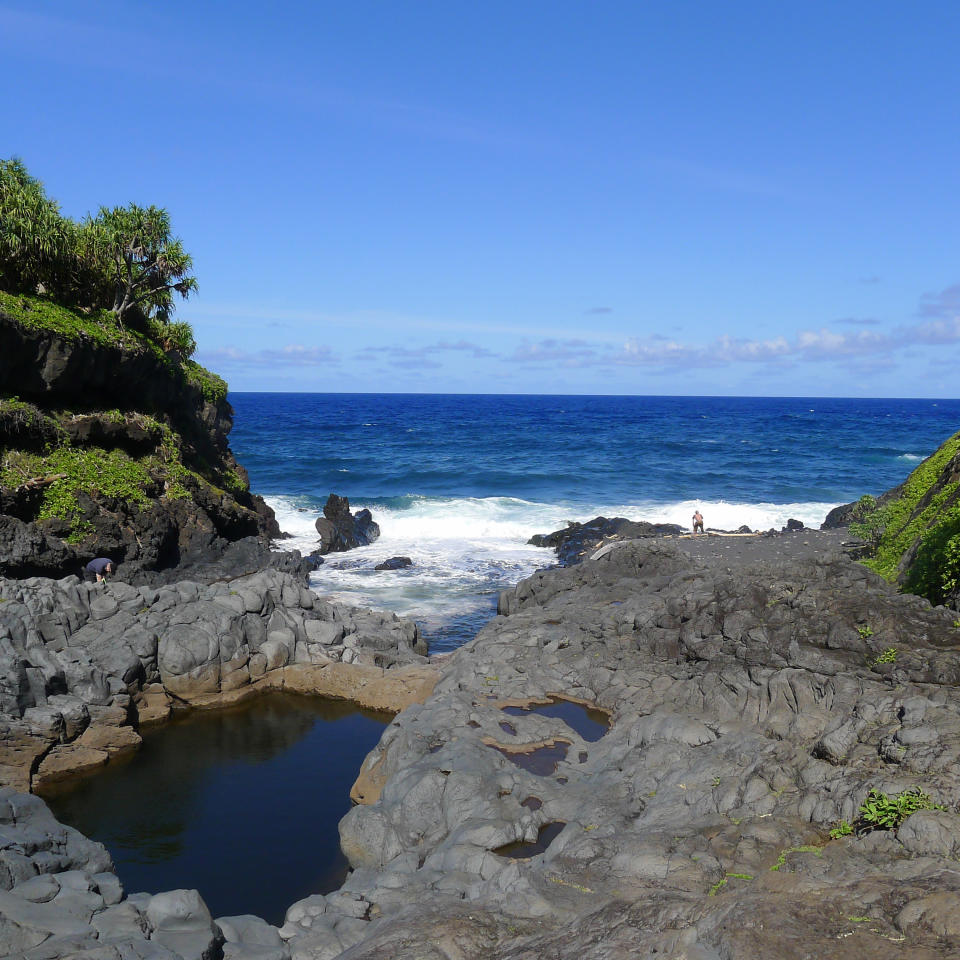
x=241, y=804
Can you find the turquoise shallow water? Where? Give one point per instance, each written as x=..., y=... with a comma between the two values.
x=459, y=483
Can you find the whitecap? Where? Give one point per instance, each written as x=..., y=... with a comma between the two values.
x=910, y=457
x=465, y=550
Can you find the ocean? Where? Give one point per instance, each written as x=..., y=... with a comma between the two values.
x=459, y=483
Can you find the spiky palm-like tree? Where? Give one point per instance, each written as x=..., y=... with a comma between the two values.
x=133, y=247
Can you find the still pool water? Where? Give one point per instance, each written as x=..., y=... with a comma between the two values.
x=240, y=804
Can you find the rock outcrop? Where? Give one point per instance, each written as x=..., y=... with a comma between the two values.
x=643, y=755
x=912, y=532
x=82, y=666
x=579, y=540
x=341, y=530
x=112, y=448
x=754, y=703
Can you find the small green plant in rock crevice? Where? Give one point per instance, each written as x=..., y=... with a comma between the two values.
x=888, y=656
x=721, y=883
x=842, y=829
x=880, y=812
x=806, y=848
x=865, y=631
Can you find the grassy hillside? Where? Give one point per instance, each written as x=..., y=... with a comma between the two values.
x=914, y=531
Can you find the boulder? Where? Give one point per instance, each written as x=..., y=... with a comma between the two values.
x=579, y=540
x=394, y=563
x=182, y=923
x=341, y=530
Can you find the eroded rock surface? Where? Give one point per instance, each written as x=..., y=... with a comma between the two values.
x=578, y=540
x=753, y=702
x=754, y=705
x=82, y=665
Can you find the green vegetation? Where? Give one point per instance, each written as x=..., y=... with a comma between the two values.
x=37, y=313
x=888, y=656
x=865, y=632
x=880, y=812
x=213, y=388
x=924, y=514
x=720, y=884
x=842, y=829
x=120, y=268
x=66, y=471
x=23, y=423
x=806, y=848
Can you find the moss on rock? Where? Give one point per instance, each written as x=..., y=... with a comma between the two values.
x=913, y=531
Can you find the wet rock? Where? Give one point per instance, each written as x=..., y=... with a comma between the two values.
x=579, y=540
x=341, y=530
x=394, y=563
x=119, y=655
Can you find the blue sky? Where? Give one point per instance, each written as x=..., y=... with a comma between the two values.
x=679, y=197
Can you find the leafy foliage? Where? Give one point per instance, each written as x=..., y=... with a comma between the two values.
x=37, y=243
x=922, y=519
x=888, y=656
x=880, y=812
x=842, y=829
x=132, y=249
x=124, y=261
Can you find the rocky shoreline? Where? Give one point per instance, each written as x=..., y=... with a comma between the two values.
x=83, y=666
x=756, y=690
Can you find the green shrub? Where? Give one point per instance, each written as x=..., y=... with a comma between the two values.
x=880, y=812
x=921, y=515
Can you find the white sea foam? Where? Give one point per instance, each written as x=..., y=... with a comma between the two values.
x=910, y=457
x=466, y=550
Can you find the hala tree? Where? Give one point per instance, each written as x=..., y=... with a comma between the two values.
x=37, y=243
x=136, y=255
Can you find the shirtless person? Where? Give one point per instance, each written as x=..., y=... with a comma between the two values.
x=697, y=522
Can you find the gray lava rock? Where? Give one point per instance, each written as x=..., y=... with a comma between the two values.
x=394, y=563
x=579, y=540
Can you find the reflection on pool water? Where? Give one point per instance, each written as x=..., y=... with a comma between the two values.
x=590, y=722
x=241, y=804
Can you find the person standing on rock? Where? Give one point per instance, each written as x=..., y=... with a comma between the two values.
x=99, y=568
x=697, y=522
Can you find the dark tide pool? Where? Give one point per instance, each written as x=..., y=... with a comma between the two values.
x=241, y=804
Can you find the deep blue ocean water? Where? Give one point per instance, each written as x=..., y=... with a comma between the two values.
x=460, y=482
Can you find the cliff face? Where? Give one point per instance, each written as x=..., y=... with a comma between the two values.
x=913, y=530
x=111, y=447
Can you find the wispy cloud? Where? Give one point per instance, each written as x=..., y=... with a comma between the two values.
x=400, y=356
x=576, y=353
x=859, y=321
x=946, y=303
x=292, y=355
x=593, y=311
x=807, y=346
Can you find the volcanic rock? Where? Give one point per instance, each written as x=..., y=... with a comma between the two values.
x=341, y=530
x=394, y=563
x=79, y=662
x=579, y=540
